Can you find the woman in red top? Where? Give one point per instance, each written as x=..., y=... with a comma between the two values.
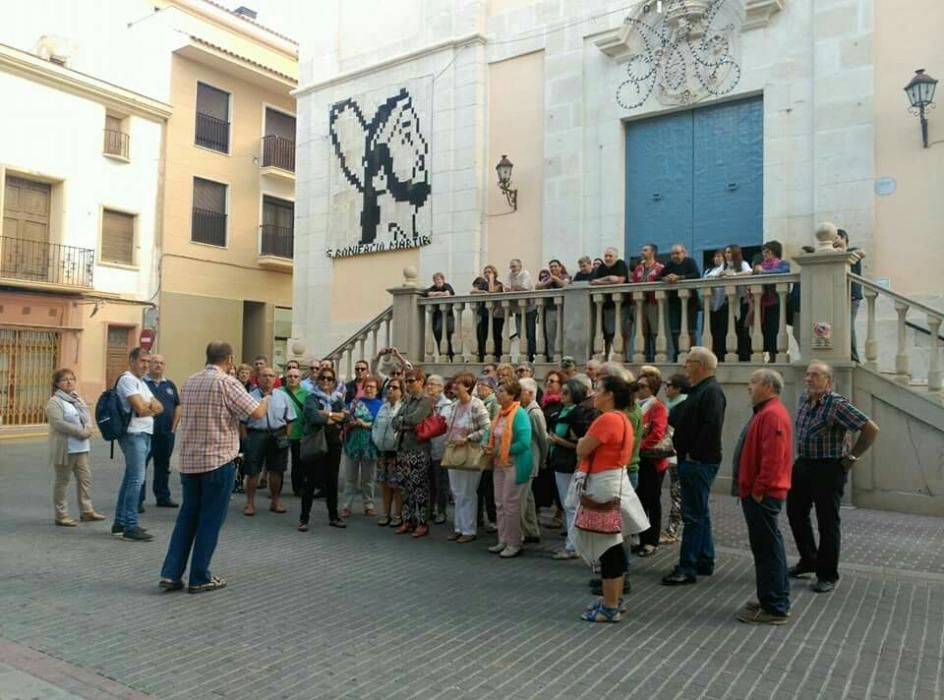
x=605, y=451
x=655, y=422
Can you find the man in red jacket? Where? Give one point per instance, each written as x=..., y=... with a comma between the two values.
x=762, y=466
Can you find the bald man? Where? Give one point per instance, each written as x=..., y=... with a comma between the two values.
x=165, y=428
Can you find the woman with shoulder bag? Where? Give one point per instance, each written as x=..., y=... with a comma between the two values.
x=360, y=450
x=567, y=427
x=413, y=455
x=385, y=440
x=324, y=412
x=70, y=427
x=652, y=466
x=438, y=478
x=509, y=448
x=468, y=428
x=608, y=505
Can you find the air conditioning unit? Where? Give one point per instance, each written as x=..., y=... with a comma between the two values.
x=56, y=48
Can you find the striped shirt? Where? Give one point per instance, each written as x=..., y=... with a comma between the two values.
x=824, y=427
x=212, y=404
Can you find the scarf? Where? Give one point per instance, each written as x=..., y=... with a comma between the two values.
x=77, y=403
x=373, y=405
x=504, y=450
x=326, y=400
x=549, y=399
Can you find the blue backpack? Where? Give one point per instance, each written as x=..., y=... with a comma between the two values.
x=111, y=418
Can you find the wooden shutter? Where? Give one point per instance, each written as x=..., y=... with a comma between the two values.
x=209, y=196
x=117, y=237
x=116, y=354
x=212, y=102
x=279, y=124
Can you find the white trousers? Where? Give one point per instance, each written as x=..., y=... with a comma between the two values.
x=563, y=483
x=464, y=484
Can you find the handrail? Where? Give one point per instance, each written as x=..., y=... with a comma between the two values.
x=702, y=283
x=868, y=284
x=353, y=338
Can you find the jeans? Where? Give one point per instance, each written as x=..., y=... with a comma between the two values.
x=135, y=447
x=819, y=483
x=854, y=310
x=162, y=446
x=770, y=558
x=464, y=484
x=697, y=553
x=202, y=512
x=563, y=483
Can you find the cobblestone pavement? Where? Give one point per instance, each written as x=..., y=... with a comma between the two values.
x=362, y=613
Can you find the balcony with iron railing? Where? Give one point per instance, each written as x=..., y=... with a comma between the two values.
x=117, y=144
x=208, y=227
x=212, y=133
x=278, y=156
x=28, y=263
x=277, y=247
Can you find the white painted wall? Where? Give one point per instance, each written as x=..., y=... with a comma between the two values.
x=58, y=136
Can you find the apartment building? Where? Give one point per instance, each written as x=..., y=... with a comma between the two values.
x=80, y=163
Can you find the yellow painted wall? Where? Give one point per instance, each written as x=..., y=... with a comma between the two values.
x=359, y=284
x=908, y=224
x=195, y=321
x=516, y=128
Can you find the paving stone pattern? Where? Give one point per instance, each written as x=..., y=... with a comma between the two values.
x=362, y=613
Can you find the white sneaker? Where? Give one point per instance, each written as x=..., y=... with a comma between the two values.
x=510, y=551
x=497, y=548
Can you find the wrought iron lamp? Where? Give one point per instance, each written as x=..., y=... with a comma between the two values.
x=503, y=169
x=920, y=93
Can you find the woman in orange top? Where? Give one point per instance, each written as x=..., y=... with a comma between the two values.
x=605, y=451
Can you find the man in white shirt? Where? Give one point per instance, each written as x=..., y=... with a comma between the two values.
x=138, y=401
x=519, y=280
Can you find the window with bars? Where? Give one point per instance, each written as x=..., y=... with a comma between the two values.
x=278, y=227
x=209, y=212
x=212, y=130
x=117, y=140
x=117, y=237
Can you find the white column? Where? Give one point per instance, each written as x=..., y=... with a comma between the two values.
x=871, y=339
x=757, y=335
x=599, y=346
x=934, y=359
x=685, y=340
x=639, y=356
x=902, y=357
x=661, y=344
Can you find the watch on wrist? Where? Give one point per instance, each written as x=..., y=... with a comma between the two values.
x=851, y=459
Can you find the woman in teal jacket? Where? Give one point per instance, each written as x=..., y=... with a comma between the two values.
x=509, y=446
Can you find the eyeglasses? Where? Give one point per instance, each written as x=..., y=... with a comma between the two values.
x=397, y=372
x=325, y=379
x=314, y=368
x=360, y=369
x=520, y=370
x=411, y=380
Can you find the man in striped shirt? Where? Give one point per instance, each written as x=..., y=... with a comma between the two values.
x=212, y=405
x=825, y=422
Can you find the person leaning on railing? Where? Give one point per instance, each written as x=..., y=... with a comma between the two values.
x=488, y=283
x=441, y=288
x=771, y=264
x=557, y=278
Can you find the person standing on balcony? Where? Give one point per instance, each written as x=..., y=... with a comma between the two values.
x=648, y=270
x=717, y=311
x=761, y=480
x=165, y=428
x=736, y=266
x=557, y=278
x=138, y=401
x=855, y=289
x=697, y=441
x=584, y=269
x=489, y=283
x=70, y=427
x=413, y=455
x=825, y=422
x=680, y=268
x=519, y=280
x=613, y=270
x=441, y=288
x=772, y=264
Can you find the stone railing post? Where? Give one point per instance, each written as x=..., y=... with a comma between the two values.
x=825, y=306
x=407, y=331
x=576, y=337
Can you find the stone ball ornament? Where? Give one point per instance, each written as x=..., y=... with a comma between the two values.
x=298, y=348
x=410, y=273
x=826, y=234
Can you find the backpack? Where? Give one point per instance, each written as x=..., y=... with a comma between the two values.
x=111, y=418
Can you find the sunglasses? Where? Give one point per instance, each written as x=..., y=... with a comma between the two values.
x=325, y=379
x=360, y=369
x=410, y=381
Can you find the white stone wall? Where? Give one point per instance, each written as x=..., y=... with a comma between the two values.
x=812, y=63
x=57, y=136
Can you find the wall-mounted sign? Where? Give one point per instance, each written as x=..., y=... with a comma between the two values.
x=822, y=335
x=380, y=175
x=885, y=186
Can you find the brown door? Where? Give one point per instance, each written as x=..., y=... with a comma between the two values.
x=25, y=253
x=116, y=354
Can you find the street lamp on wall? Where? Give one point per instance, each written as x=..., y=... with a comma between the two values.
x=920, y=93
x=503, y=169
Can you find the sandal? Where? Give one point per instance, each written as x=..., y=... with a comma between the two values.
x=384, y=521
x=396, y=521
x=214, y=584
x=647, y=550
x=370, y=511
x=600, y=613
x=171, y=584
x=598, y=602
x=249, y=512
x=277, y=509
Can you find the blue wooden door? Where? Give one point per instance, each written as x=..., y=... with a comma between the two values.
x=696, y=177
x=659, y=192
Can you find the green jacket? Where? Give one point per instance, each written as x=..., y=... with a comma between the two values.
x=634, y=415
x=298, y=425
x=520, y=448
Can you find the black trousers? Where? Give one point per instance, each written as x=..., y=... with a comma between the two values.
x=817, y=483
x=486, y=494
x=438, y=488
x=719, y=331
x=770, y=558
x=613, y=562
x=162, y=446
x=649, y=491
x=295, y=447
x=481, y=333
x=322, y=471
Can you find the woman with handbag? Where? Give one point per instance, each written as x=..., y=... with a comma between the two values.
x=509, y=448
x=438, y=478
x=70, y=427
x=653, y=461
x=413, y=455
x=385, y=440
x=360, y=450
x=567, y=427
x=468, y=428
x=321, y=446
x=607, y=505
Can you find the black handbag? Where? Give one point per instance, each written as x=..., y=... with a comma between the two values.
x=313, y=444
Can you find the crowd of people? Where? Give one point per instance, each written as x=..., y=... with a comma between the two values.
x=590, y=447
x=727, y=262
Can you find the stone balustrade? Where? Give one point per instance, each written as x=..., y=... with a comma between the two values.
x=377, y=332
